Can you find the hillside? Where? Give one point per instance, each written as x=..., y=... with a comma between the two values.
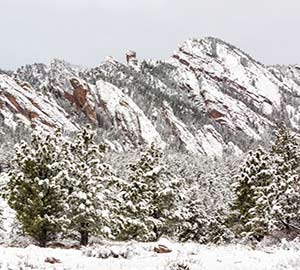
x=208, y=98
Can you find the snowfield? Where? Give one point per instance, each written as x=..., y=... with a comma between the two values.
x=140, y=256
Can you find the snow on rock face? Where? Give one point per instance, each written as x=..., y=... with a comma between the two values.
x=286, y=73
x=206, y=141
x=126, y=114
x=238, y=92
x=217, y=97
x=31, y=108
x=180, y=131
x=221, y=61
x=211, y=141
x=213, y=144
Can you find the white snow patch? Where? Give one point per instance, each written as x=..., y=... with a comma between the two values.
x=123, y=110
x=142, y=256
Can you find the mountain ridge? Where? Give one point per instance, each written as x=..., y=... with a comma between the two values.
x=208, y=98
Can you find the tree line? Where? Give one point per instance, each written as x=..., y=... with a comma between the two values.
x=74, y=187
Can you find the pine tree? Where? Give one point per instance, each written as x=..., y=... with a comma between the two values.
x=195, y=219
x=3, y=183
x=151, y=199
x=90, y=183
x=251, y=203
x=34, y=190
x=205, y=205
x=285, y=191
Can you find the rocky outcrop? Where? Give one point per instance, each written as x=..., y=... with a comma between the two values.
x=27, y=106
x=80, y=98
x=207, y=99
x=180, y=132
x=126, y=115
x=131, y=58
x=238, y=92
x=52, y=260
x=162, y=249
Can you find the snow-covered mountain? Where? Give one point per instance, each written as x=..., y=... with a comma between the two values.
x=207, y=99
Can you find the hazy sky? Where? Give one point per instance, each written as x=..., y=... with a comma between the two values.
x=85, y=31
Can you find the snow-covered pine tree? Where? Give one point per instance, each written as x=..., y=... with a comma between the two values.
x=285, y=191
x=206, y=203
x=3, y=180
x=251, y=203
x=34, y=190
x=90, y=203
x=195, y=219
x=151, y=197
x=203, y=222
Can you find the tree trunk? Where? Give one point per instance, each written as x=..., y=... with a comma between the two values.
x=155, y=230
x=84, y=235
x=43, y=238
x=158, y=232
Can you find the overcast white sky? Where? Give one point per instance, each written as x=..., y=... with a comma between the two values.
x=85, y=31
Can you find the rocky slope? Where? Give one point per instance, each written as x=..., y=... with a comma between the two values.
x=209, y=98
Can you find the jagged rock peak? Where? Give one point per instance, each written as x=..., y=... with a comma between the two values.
x=212, y=47
x=131, y=58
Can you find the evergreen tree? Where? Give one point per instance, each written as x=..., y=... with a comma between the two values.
x=251, y=203
x=58, y=185
x=285, y=191
x=203, y=223
x=205, y=206
x=90, y=185
x=151, y=199
x=34, y=190
x=3, y=183
x=196, y=219
x=206, y=195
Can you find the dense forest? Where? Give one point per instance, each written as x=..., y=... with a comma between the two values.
x=74, y=186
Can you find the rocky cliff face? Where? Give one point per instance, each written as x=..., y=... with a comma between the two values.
x=209, y=98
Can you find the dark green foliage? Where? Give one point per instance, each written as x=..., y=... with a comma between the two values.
x=151, y=197
x=286, y=182
x=255, y=174
x=201, y=224
x=88, y=181
x=267, y=191
x=286, y=148
x=33, y=190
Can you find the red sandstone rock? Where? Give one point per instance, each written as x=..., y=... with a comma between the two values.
x=162, y=249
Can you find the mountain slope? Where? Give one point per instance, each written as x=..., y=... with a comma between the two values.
x=209, y=98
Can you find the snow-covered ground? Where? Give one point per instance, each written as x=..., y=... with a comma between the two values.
x=141, y=256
